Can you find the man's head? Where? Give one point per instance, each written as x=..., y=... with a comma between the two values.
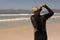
x=36, y=10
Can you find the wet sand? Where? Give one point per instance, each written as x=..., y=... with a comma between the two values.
x=27, y=32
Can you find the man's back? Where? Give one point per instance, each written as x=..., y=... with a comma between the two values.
x=39, y=21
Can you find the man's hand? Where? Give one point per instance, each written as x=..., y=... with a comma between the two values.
x=43, y=5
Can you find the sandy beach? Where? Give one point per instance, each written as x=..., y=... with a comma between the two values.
x=17, y=33
x=27, y=32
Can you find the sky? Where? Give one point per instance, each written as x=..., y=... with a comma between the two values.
x=27, y=4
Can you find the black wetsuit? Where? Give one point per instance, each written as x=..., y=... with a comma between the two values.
x=39, y=24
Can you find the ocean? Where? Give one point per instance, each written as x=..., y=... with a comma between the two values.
x=16, y=17
x=8, y=20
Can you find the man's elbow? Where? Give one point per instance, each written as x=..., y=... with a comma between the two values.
x=52, y=13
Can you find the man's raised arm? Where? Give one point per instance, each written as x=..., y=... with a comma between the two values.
x=49, y=10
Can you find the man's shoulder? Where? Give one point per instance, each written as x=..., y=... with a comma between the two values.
x=32, y=17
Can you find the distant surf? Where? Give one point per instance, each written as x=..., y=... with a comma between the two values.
x=16, y=17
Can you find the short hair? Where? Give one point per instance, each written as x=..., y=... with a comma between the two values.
x=34, y=8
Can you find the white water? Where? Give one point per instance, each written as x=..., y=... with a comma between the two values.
x=21, y=18
x=22, y=14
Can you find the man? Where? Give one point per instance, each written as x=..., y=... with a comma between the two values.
x=39, y=22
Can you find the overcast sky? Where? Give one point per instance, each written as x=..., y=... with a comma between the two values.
x=27, y=4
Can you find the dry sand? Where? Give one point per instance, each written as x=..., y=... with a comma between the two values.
x=26, y=32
